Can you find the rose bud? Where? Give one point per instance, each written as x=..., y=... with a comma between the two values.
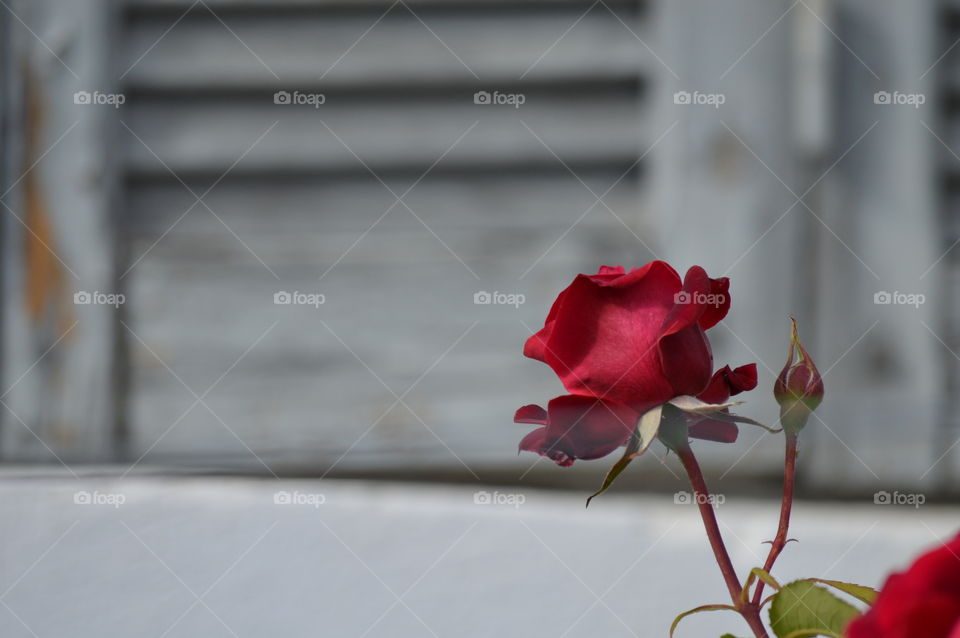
x=799, y=388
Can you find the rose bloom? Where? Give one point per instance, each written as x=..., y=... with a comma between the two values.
x=624, y=342
x=922, y=602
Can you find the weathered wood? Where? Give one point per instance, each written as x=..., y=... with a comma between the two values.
x=203, y=299
x=58, y=358
x=495, y=48
x=205, y=137
x=717, y=205
x=247, y=5
x=884, y=396
x=9, y=149
x=398, y=297
x=719, y=190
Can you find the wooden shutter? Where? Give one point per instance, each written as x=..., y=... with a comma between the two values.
x=299, y=208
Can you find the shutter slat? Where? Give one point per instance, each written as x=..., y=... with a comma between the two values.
x=207, y=137
x=281, y=5
x=399, y=51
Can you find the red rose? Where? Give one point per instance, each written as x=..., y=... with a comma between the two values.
x=922, y=602
x=621, y=344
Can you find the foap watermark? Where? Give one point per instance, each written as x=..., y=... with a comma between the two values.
x=295, y=497
x=484, y=497
x=299, y=98
x=899, y=498
x=685, y=98
x=97, y=298
x=112, y=499
x=896, y=98
x=686, y=498
x=297, y=298
x=897, y=298
x=496, y=298
x=98, y=98
x=715, y=299
x=509, y=99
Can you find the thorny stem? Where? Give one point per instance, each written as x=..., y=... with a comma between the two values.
x=750, y=611
x=789, y=474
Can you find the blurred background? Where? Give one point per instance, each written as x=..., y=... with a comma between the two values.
x=394, y=159
x=308, y=238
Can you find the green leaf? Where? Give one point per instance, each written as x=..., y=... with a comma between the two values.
x=641, y=438
x=697, y=610
x=802, y=609
x=860, y=592
x=755, y=573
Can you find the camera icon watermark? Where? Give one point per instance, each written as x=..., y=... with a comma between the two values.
x=297, y=298
x=112, y=499
x=715, y=299
x=897, y=298
x=896, y=98
x=696, y=98
x=516, y=100
x=686, y=498
x=299, y=98
x=97, y=298
x=97, y=98
x=484, y=497
x=496, y=298
x=884, y=497
x=311, y=499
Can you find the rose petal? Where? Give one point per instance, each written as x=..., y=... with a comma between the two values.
x=742, y=378
x=533, y=441
x=536, y=346
x=688, y=302
x=922, y=601
x=684, y=348
x=717, y=310
x=604, y=337
x=536, y=442
x=686, y=360
x=702, y=299
x=580, y=427
x=611, y=270
x=531, y=414
x=713, y=430
x=726, y=383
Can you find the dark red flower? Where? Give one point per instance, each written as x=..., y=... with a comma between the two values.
x=627, y=341
x=922, y=602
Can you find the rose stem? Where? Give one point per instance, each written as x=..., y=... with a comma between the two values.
x=749, y=611
x=789, y=474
